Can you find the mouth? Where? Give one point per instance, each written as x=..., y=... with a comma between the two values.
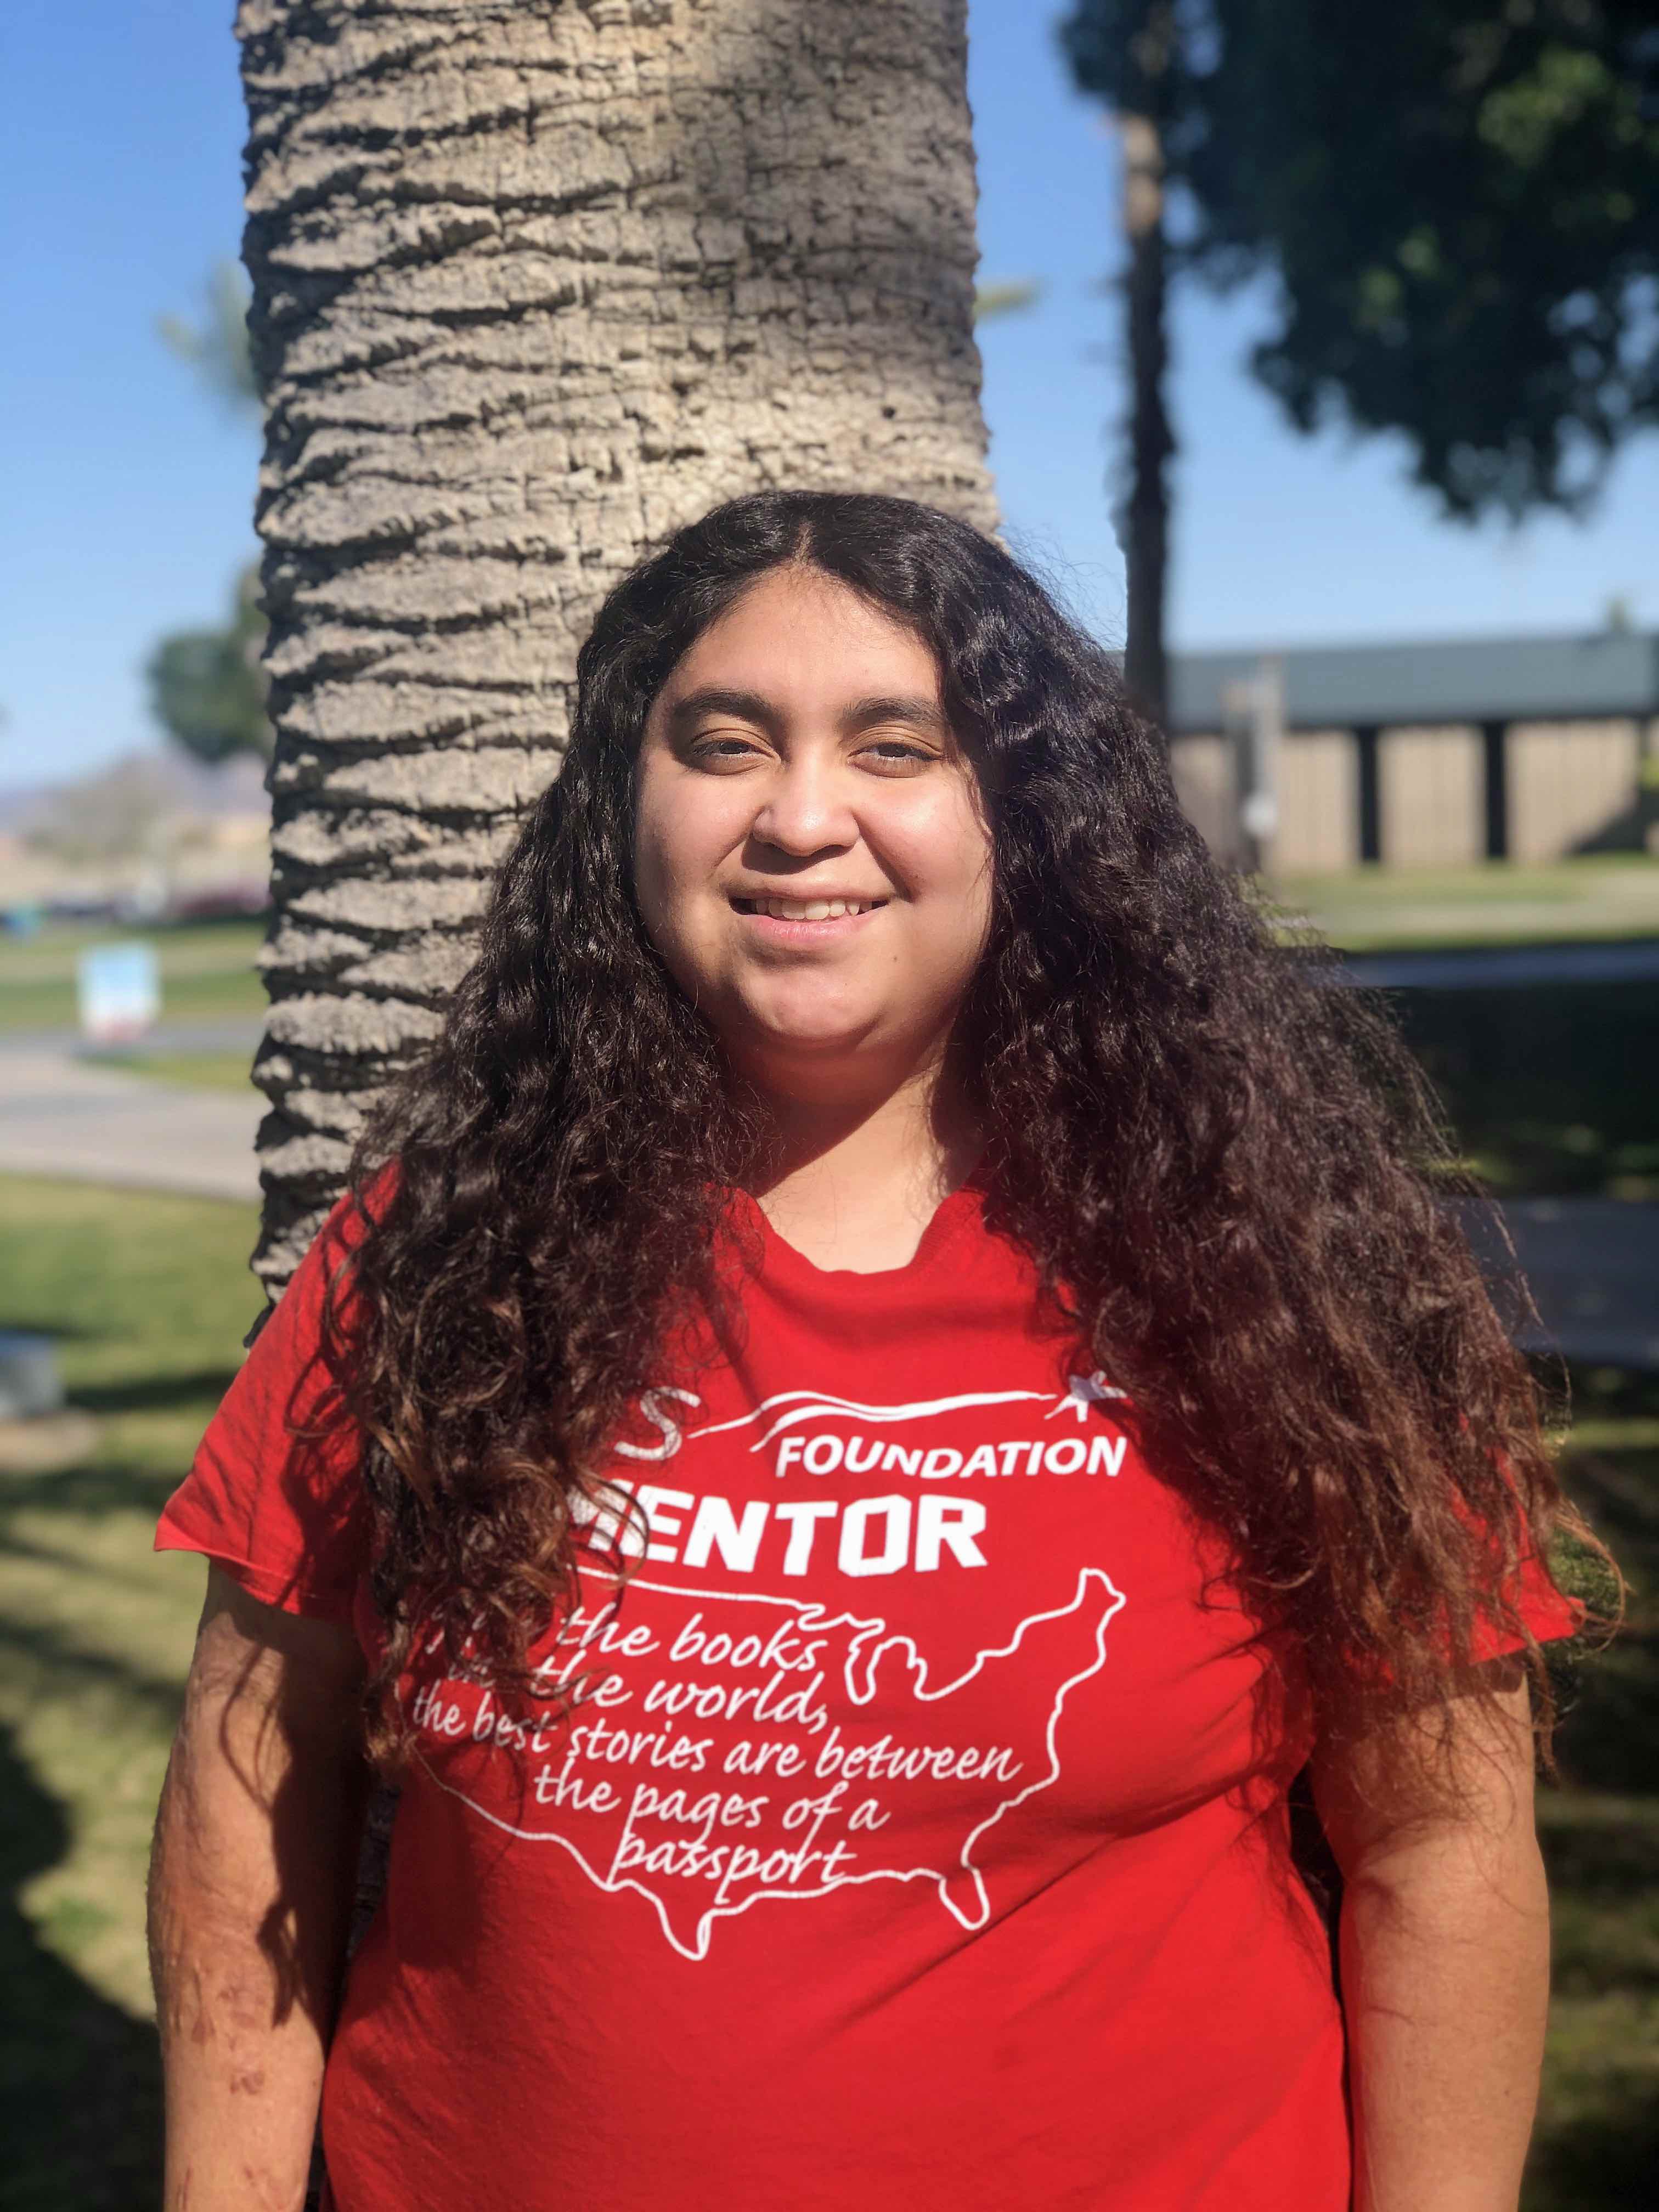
x=808, y=910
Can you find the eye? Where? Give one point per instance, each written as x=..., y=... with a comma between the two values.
x=897, y=756
x=724, y=750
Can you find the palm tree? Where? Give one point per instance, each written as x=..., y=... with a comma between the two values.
x=993, y=301
x=217, y=345
x=532, y=286
x=1130, y=54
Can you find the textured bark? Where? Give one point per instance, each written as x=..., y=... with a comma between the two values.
x=535, y=282
x=1151, y=442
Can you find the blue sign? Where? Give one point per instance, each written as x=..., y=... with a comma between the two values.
x=120, y=991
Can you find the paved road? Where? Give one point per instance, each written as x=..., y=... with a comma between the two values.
x=60, y=1115
x=1593, y=1267
x=1512, y=967
x=231, y=1033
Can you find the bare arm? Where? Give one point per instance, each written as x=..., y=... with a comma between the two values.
x=1445, y=1958
x=250, y=1898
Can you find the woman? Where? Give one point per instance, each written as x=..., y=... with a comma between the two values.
x=894, y=1380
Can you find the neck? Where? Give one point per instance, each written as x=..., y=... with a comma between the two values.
x=853, y=1183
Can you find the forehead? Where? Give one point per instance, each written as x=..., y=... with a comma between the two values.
x=800, y=638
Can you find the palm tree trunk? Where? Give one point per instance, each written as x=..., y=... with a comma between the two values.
x=532, y=285
x=1151, y=440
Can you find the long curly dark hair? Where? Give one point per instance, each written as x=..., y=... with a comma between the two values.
x=1227, y=1171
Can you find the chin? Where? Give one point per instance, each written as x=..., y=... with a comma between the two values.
x=775, y=1032
x=811, y=1039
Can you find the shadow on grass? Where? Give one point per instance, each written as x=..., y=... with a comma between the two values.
x=69, y=1558
x=1599, y=2150
x=1609, y=1735
x=80, y=2079
x=60, y=1332
x=52, y=1651
x=91, y=1489
x=1603, y=2160
x=1607, y=1865
x=1609, y=1729
x=1550, y=1086
x=1618, y=1491
x=155, y=1394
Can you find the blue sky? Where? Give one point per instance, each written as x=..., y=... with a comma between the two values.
x=128, y=492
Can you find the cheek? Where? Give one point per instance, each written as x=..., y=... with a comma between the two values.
x=651, y=888
x=950, y=867
x=666, y=869
x=682, y=836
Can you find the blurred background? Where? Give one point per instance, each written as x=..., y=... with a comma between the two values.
x=1364, y=481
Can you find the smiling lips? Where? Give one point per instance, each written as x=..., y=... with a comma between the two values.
x=817, y=909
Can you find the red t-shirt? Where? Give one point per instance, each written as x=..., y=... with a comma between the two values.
x=918, y=1840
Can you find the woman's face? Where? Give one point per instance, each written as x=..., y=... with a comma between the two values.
x=811, y=856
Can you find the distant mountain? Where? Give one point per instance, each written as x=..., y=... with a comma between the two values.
x=184, y=785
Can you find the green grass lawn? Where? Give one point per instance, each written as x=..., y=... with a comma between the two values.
x=207, y=972
x=1502, y=903
x=1598, y=2137
x=149, y=1297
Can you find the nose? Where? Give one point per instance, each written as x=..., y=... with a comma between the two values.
x=804, y=812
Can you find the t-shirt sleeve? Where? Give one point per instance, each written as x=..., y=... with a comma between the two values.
x=274, y=1494
x=1521, y=1598
x=1523, y=1590
x=1547, y=1611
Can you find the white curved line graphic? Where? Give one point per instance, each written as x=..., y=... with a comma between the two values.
x=865, y=1648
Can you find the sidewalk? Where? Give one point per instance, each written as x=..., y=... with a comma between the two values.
x=61, y=1115
x=1593, y=1267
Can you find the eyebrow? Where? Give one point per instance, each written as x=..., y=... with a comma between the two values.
x=924, y=713
x=747, y=706
x=862, y=714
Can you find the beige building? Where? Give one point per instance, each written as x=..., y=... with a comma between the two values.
x=1437, y=755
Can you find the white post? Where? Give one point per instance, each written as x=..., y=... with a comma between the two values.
x=1254, y=715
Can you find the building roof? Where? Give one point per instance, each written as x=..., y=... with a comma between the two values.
x=1521, y=679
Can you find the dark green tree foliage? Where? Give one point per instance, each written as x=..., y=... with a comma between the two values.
x=1459, y=200
x=207, y=688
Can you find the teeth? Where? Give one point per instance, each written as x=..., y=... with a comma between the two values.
x=809, y=909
